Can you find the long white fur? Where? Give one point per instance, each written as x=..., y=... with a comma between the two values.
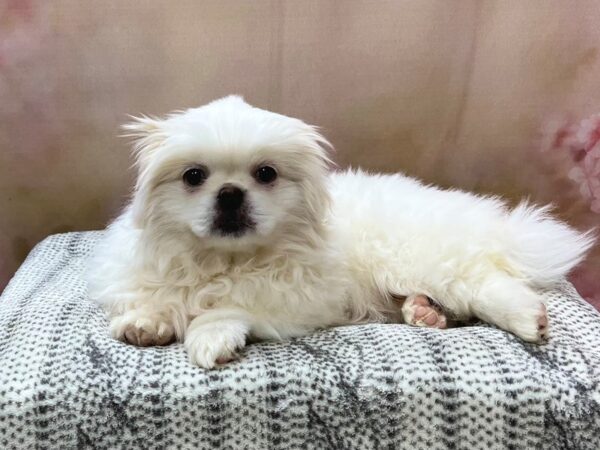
x=329, y=248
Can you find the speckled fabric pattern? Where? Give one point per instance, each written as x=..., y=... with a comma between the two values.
x=64, y=383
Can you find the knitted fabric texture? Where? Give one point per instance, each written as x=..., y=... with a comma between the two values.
x=64, y=383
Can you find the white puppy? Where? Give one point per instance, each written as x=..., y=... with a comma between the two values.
x=238, y=229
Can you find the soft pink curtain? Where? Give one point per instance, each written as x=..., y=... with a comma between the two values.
x=463, y=93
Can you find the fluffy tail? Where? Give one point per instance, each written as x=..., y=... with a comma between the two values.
x=544, y=249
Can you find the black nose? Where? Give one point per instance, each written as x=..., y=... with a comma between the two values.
x=230, y=197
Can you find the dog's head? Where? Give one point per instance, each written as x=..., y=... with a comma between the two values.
x=233, y=174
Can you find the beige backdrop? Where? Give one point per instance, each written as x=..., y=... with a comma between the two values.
x=456, y=92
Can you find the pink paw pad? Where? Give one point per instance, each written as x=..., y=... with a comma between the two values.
x=419, y=310
x=225, y=359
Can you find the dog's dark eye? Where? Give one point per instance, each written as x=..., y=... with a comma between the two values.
x=265, y=174
x=194, y=177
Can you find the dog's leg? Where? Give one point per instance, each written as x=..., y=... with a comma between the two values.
x=215, y=336
x=507, y=303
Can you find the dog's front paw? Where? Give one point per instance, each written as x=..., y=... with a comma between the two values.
x=215, y=343
x=142, y=329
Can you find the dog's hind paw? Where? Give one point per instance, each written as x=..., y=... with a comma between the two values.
x=531, y=325
x=420, y=311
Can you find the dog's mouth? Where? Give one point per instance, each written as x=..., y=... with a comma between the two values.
x=232, y=223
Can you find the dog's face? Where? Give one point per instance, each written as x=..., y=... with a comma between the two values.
x=233, y=174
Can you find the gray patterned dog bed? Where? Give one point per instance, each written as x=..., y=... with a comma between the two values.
x=64, y=383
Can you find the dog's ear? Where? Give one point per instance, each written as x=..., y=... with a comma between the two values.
x=148, y=134
x=316, y=157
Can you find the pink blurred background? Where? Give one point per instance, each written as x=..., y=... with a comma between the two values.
x=492, y=96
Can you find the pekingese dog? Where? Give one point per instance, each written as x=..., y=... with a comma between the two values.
x=238, y=228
